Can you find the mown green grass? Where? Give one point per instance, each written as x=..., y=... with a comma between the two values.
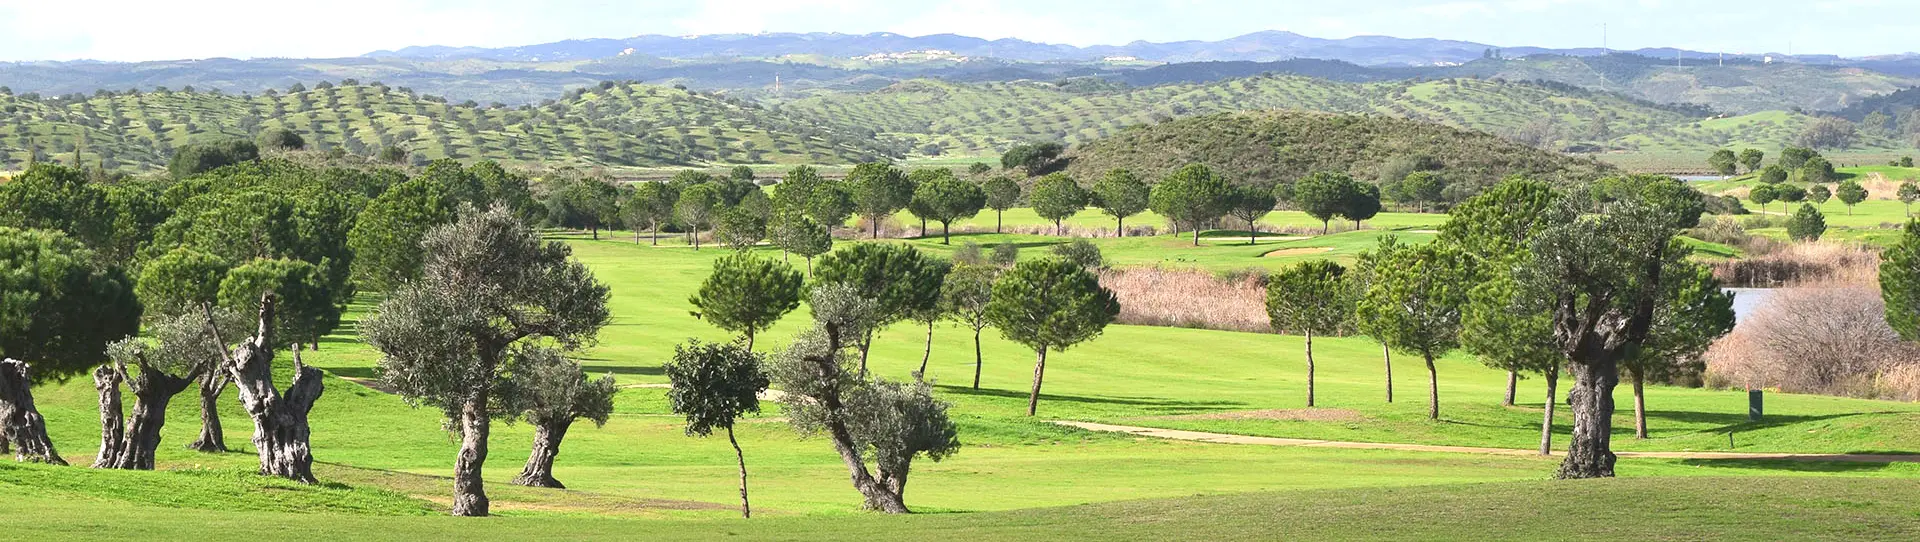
x=1623, y=509
x=641, y=465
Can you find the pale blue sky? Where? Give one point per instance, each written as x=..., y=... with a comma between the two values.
x=148, y=29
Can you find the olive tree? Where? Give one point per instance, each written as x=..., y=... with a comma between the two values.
x=1310, y=298
x=1046, y=305
x=1191, y=197
x=884, y=422
x=551, y=391
x=1057, y=197
x=178, y=351
x=1121, y=194
x=61, y=309
x=489, y=285
x=746, y=294
x=1603, y=275
x=713, y=386
x=290, y=299
x=1002, y=194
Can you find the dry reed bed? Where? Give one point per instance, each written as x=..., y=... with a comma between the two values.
x=1802, y=264
x=1830, y=340
x=1193, y=298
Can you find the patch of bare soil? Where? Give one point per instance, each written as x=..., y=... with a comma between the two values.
x=1292, y=414
x=1302, y=251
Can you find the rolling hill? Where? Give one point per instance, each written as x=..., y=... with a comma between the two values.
x=972, y=119
x=607, y=125
x=1266, y=147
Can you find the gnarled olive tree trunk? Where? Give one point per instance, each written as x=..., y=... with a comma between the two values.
x=153, y=390
x=20, y=420
x=878, y=496
x=469, y=490
x=212, y=438
x=1590, y=454
x=280, y=431
x=546, y=448
x=106, y=381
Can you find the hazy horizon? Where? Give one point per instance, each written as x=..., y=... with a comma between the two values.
x=120, y=30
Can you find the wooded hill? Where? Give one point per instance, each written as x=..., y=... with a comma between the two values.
x=1270, y=147
x=610, y=124
x=971, y=119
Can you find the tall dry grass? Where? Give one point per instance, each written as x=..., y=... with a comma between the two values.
x=1801, y=264
x=1825, y=340
x=1193, y=298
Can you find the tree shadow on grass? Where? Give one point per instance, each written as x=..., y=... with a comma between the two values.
x=1169, y=406
x=1788, y=465
x=598, y=369
x=1727, y=421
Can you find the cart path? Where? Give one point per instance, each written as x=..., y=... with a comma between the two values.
x=1223, y=438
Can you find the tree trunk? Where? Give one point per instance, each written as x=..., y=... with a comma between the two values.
x=1387, y=354
x=923, y=227
x=746, y=509
x=152, y=392
x=1039, y=371
x=1056, y=228
x=1433, y=388
x=865, y=344
x=1196, y=235
x=20, y=420
x=1590, y=453
x=1639, y=403
x=696, y=238
x=469, y=491
x=1553, y=400
x=1513, y=383
x=280, y=431
x=113, y=439
x=876, y=495
x=876, y=229
x=928, y=354
x=809, y=267
x=1309, y=369
x=976, y=358
x=212, y=438
x=749, y=338
x=1119, y=227
x=656, y=235
x=946, y=233
x=546, y=447
x=997, y=219
x=1326, y=226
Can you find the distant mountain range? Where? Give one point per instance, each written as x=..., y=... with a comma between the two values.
x=1264, y=46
